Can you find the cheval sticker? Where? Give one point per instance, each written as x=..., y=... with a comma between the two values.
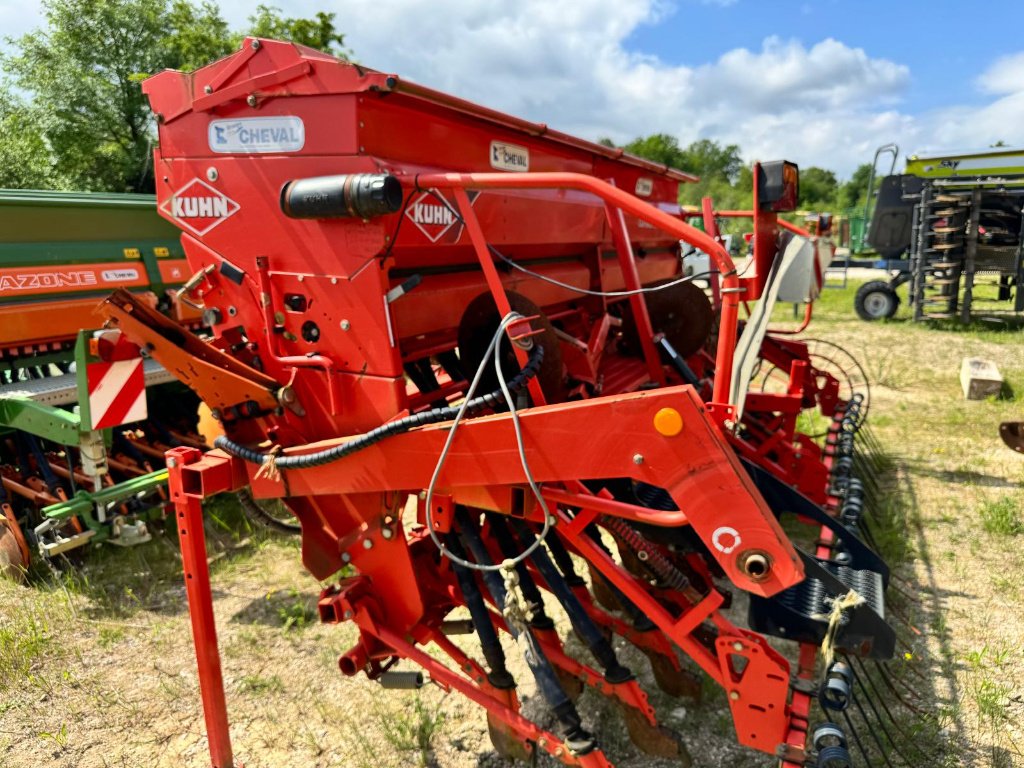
x=644, y=187
x=257, y=135
x=198, y=207
x=509, y=157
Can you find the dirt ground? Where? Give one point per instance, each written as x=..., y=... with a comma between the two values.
x=97, y=670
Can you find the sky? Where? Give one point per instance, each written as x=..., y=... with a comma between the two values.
x=819, y=82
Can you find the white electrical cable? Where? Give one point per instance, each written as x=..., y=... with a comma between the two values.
x=493, y=349
x=577, y=289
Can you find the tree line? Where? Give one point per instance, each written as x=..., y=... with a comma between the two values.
x=73, y=116
x=727, y=179
x=72, y=113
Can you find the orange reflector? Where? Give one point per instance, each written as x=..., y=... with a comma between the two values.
x=668, y=422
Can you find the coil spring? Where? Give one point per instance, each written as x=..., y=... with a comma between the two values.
x=650, y=555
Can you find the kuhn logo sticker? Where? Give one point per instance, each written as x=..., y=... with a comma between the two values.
x=257, y=135
x=725, y=539
x=509, y=157
x=120, y=275
x=198, y=207
x=436, y=218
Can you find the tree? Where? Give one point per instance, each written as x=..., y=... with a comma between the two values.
x=659, y=148
x=709, y=159
x=819, y=189
x=81, y=73
x=854, y=193
x=24, y=154
x=316, y=33
x=724, y=176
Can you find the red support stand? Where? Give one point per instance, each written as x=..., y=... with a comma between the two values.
x=189, y=517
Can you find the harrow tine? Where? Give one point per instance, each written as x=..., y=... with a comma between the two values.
x=890, y=683
x=865, y=675
x=893, y=746
x=856, y=740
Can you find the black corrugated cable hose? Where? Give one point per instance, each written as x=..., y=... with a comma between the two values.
x=397, y=427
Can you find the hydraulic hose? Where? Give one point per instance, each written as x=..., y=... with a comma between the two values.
x=397, y=427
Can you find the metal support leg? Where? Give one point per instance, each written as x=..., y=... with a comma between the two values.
x=970, y=256
x=189, y=517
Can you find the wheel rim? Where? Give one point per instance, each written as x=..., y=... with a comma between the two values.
x=878, y=304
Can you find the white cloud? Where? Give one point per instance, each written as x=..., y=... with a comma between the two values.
x=1006, y=75
x=569, y=64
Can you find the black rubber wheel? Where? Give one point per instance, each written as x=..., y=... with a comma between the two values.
x=876, y=300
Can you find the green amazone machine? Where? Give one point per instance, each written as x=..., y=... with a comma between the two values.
x=66, y=478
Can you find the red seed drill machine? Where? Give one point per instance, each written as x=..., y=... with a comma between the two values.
x=417, y=298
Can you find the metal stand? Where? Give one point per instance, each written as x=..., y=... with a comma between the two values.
x=189, y=515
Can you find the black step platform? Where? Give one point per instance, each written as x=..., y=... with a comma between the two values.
x=801, y=612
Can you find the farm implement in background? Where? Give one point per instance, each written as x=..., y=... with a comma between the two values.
x=80, y=461
x=459, y=346
x=940, y=226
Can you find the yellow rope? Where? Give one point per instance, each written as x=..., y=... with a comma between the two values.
x=517, y=609
x=840, y=604
x=268, y=468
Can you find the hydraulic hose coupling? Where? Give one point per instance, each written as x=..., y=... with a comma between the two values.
x=359, y=195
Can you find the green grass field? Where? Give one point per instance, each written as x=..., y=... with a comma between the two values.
x=96, y=665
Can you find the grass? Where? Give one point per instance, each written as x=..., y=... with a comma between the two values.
x=112, y=636
x=22, y=644
x=414, y=729
x=1002, y=517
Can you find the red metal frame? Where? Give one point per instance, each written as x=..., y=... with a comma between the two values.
x=272, y=379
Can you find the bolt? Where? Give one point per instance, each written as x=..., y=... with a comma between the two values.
x=638, y=458
x=387, y=533
x=367, y=544
x=348, y=615
x=208, y=89
x=734, y=695
x=346, y=557
x=737, y=646
x=251, y=101
x=334, y=281
x=255, y=45
x=558, y=751
x=211, y=173
x=345, y=325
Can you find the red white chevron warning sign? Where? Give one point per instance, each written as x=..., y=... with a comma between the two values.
x=117, y=393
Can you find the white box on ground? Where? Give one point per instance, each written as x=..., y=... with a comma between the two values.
x=980, y=378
